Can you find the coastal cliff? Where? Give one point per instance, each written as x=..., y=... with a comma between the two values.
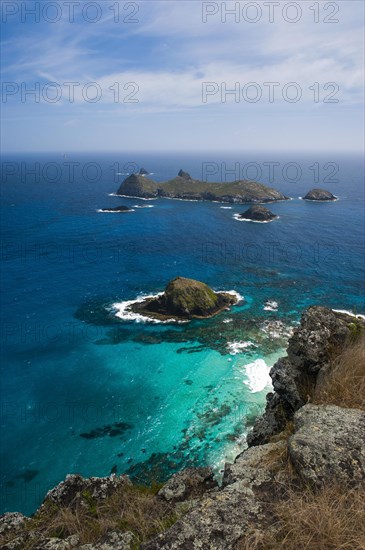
x=305, y=461
x=183, y=186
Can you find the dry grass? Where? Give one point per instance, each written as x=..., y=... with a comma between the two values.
x=132, y=508
x=331, y=519
x=344, y=384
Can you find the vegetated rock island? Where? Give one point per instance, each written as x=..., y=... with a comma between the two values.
x=304, y=470
x=257, y=213
x=183, y=186
x=185, y=299
x=319, y=195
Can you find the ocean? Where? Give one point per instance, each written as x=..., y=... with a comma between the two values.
x=84, y=391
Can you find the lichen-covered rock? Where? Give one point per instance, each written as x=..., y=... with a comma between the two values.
x=221, y=518
x=319, y=195
x=76, y=490
x=190, y=483
x=252, y=467
x=320, y=334
x=12, y=522
x=112, y=540
x=328, y=444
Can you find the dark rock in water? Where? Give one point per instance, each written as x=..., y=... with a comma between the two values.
x=184, y=175
x=114, y=469
x=328, y=444
x=185, y=299
x=117, y=209
x=143, y=172
x=111, y=430
x=258, y=213
x=319, y=195
x=321, y=331
x=28, y=475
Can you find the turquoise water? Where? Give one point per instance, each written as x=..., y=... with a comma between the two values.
x=85, y=392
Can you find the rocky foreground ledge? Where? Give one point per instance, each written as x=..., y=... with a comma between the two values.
x=304, y=441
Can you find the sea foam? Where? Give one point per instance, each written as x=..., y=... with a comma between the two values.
x=238, y=347
x=258, y=377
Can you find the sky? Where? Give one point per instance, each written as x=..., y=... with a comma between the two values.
x=178, y=75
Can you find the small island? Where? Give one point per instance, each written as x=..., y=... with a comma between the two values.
x=117, y=209
x=184, y=187
x=319, y=195
x=185, y=299
x=144, y=172
x=257, y=214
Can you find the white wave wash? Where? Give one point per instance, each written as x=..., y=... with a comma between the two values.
x=239, y=219
x=238, y=296
x=226, y=207
x=143, y=206
x=238, y=347
x=258, y=377
x=124, y=312
x=132, y=197
x=271, y=305
x=277, y=329
x=351, y=313
x=105, y=211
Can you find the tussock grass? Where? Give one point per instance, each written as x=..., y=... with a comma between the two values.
x=344, y=383
x=131, y=508
x=330, y=519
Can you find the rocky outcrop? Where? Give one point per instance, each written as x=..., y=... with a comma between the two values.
x=183, y=186
x=319, y=195
x=321, y=332
x=184, y=175
x=144, y=172
x=185, y=299
x=220, y=519
x=117, y=209
x=138, y=186
x=76, y=490
x=258, y=213
x=188, y=484
x=328, y=444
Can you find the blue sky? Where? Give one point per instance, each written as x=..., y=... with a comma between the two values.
x=168, y=53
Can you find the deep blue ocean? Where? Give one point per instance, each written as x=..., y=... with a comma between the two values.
x=85, y=392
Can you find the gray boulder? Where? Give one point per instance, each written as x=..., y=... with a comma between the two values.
x=187, y=484
x=222, y=517
x=328, y=444
x=76, y=490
